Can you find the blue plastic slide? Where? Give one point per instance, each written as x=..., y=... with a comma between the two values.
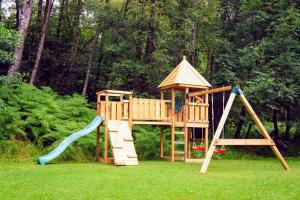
x=66, y=142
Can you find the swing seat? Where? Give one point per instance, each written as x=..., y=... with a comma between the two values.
x=220, y=151
x=198, y=148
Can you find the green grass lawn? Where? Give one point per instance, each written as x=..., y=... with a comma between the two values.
x=226, y=179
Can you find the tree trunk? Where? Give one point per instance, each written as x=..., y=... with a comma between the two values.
x=39, y=13
x=90, y=62
x=25, y=13
x=60, y=17
x=17, y=14
x=75, y=42
x=194, y=44
x=151, y=34
x=47, y=12
x=287, y=123
x=275, y=124
x=0, y=10
x=240, y=123
x=248, y=131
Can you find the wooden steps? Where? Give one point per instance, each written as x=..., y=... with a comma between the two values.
x=121, y=142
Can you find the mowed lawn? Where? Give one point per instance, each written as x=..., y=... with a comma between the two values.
x=226, y=179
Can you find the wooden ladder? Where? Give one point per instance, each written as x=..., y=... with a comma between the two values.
x=121, y=142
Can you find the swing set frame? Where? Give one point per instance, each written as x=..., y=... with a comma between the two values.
x=216, y=141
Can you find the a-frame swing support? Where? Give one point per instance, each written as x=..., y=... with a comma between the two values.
x=216, y=141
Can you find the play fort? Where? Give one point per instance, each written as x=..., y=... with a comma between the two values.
x=183, y=108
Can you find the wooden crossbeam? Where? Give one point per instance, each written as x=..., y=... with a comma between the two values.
x=212, y=91
x=246, y=142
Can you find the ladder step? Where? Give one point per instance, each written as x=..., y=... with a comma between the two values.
x=178, y=152
x=132, y=155
x=128, y=138
x=178, y=142
x=179, y=132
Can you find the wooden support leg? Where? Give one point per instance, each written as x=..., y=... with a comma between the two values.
x=263, y=131
x=105, y=155
x=189, y=143
x=206, y=140
x=173, y=126
x=161, y=142
x=218, y=133
x=97, y=144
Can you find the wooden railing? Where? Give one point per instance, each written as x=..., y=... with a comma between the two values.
x=153, y=110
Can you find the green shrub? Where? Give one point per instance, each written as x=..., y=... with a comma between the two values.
x=43, y=118
x=8, y=41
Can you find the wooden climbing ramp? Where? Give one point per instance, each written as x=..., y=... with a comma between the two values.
x=121, y=142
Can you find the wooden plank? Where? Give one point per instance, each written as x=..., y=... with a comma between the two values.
x=191, y=113
x=263, y=130
x=113, y=107
x=246, y=142
x=102, y=109
x=119, y=110
x=135, y=108
x=130, y=112
x=211, y=91
x=146, y=114
x=169, y=158
x=152, y=109
x=125, y=110
x=162, y=106
x=197, y=113
x=157, y=110
x=218, y=133
x=153, y=122
x=113, y=92
x=141, y=109
x=194, y=160
x=179, y=132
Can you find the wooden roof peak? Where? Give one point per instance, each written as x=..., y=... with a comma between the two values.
x=184, y=74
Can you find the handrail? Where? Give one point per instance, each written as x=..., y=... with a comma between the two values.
x=113, y=92
x=212, y=91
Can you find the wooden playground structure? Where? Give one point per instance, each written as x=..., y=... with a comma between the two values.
x=182, y=107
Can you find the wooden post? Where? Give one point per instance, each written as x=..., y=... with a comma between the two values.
x=185, y=114
x=218, y=133
x=206, y=140
x=189, y=144
x=97, y=144
x=98, y=105
x=161, y=142
x=263, y=130
x=162, y=106
x=173, y=125
x=107, y=117
x=206, y=129
x=130, y=112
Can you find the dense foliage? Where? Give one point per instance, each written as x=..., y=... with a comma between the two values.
x=8, y=41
